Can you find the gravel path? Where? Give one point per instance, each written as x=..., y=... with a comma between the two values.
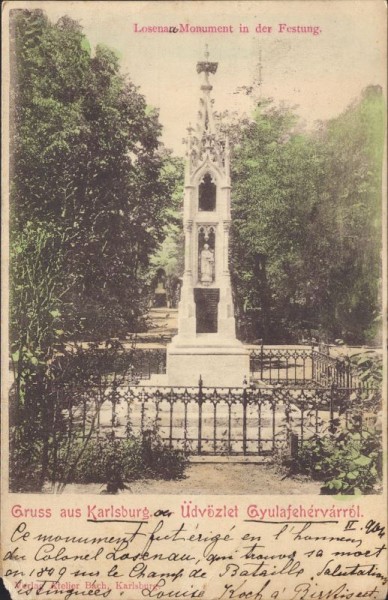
x=216, y=479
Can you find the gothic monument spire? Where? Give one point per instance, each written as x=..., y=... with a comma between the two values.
x=206, y=343
x=203, y=141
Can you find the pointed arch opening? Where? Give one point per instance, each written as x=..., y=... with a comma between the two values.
x=207, y=193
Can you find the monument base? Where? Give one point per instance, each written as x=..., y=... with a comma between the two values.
x=219, y=364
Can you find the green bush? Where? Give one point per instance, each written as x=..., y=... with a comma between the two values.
x=53, y=425
x=117, y=461
x=348, y=462
x=369, y=367
x=24, y=465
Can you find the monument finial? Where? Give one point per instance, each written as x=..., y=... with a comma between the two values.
x=206, y=141
x=206, y=66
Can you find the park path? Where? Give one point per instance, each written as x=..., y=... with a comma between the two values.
x=213, y=478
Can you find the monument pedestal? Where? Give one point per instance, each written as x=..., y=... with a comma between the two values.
x=219, y=363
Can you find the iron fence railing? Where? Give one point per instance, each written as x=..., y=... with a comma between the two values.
x=285, y=365
x=148, y=338
x=217, y=421
x=340, y=370
x=147, y=362
x=289, y=366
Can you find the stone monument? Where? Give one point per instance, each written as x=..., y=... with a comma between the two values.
x=206, y=344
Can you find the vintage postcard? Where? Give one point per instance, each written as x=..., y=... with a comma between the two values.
x=194, y=270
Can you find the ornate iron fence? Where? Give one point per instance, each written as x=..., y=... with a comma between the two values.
x=216, y=421
x=148, y=338
x=284, y=365
x=327, y=369
x=289, y=366
x=148, y=361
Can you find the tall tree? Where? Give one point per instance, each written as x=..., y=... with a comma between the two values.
x=89, y=201
x=352, y=149
x=86, y=161
x=169, y=256
x=306, y=206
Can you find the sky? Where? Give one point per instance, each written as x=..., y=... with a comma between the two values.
x=320, y=74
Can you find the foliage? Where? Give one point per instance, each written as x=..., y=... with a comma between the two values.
x=94, y=204
x=349, y=462
x=169, y=256
x=86, y=163
x=306, y=209
x=348, y=458
x=90, y=191
x=48, y=440
x=117, y=462
x=38, y=401
x=369, y=367
x=109, y=461
x=346, y=453
x=36, y=275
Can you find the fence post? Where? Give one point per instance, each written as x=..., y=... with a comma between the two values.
x=245, y=403
x=261, y=358
x=114, y=400
x=294, y=443
x=200, y=401
x=147, y=447
x=332, y=407
x=312, y=363
x=347, y=371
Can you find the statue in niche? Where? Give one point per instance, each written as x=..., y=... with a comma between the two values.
x=207, y=194
x=207, y=265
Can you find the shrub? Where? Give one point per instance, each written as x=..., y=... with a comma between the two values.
x=53, y=431
x=369, y=367
x=348, y=462
x=116, y=461
x=24, y=465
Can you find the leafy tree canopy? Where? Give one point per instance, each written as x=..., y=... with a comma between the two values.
x=90, y=199
x=87, y=166
x=306, y=221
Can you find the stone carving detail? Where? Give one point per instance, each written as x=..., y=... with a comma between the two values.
x=207, y=265
x=207, y=67
x=203, y=143
x=206, y=257
x=205, y=147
